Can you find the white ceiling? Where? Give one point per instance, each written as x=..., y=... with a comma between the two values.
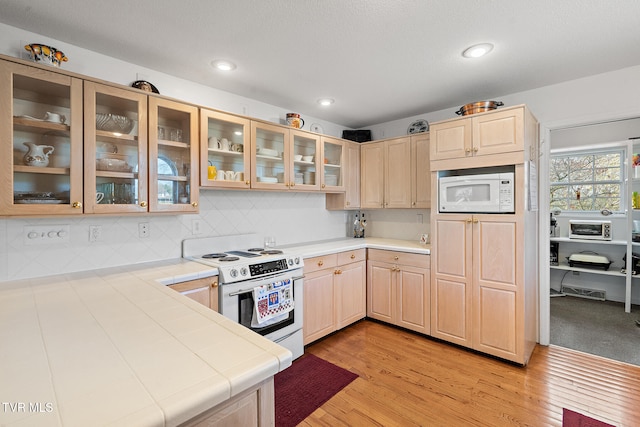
x=380, y=60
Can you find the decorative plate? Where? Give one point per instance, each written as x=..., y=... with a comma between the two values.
x=315, y=127
x=418, y=126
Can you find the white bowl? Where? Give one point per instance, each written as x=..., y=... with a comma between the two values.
x=297, y=157
x=307, y=158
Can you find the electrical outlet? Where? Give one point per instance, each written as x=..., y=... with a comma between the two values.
x=196, y=226
x=95, y=233
x=143, y=229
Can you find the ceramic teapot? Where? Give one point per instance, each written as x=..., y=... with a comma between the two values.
x=37, y=155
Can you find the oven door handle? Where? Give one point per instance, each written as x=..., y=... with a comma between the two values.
x=240, y=292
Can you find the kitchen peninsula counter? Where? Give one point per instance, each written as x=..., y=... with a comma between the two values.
x=116, y=347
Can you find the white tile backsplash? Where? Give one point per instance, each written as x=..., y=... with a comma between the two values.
x=290, y=217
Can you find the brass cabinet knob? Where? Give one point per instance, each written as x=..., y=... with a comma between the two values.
x=77, y=205
x=467, y=150
x=194, y=204
x=214, y=284
x=353, y=256
x=143, y=204
x=323, y=186
x=247, y=182
x=320, y=263
x=348, y=203
x=396, y=257
x=468, y=220
x=293, y=184
x=475, y=149
x=475, y=220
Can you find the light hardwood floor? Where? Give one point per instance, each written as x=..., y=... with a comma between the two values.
x=410, y=380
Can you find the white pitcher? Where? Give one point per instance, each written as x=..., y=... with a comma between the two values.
x=37, y=155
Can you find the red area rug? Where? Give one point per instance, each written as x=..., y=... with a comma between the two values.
x=305, y=386
x=574, y=419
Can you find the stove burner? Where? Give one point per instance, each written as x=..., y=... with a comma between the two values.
x=271, y=252
x=229, y=258
x=256, y=249
x=214, y=255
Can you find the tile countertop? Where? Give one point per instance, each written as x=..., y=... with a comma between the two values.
x=116, y=347
x=308, y=250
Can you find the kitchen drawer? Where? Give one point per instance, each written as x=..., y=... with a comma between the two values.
x=403, y=258
x=348, y=257
x=320, y=263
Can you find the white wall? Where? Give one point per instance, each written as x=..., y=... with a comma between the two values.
x=590, y=99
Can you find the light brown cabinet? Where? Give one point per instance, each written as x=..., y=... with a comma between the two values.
x=204, y=291
x=420, y=171
x=332, y=159
x=398, y=289
x=140, y=153
x=485, y=270
x=80, y=146
x=225, y=150
x=386, y=174
x=491, y=138
x=478, y=296
x=50, y=182
x=334, y=293
x=350, y=197
x=253, y=407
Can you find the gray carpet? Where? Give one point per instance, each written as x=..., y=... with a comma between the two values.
x=596, y=327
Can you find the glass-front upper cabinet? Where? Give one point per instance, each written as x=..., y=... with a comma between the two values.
x=332, y=164
x=305, y=173
x=271, y=154
x=173, y=156
x=41, y=142
x=224, y=150
x=115, y=150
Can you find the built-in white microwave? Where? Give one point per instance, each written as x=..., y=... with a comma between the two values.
x=480, y=193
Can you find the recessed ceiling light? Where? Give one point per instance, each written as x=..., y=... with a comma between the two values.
x=478, y=50
x=223, y=65
x=325, y=102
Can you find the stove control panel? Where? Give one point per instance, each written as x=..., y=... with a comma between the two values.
x=268, y=267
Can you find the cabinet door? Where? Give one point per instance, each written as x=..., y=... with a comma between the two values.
x=270, y=156
x=173, y=156
x=451, y=140
x=413, y=296
x=397, y=177
x=350, y=198
x=203, y=291
x=352, y=186
x=380, y=294
x=451, y=269
x=372, y=175
x=498, y=302
x=305, y=161
x=224, y=150
x=115, y=150
x=498, y=132
x=319, y=312
x=350, y=289
x=333, y=161
x=41, y=134
x=420, y=172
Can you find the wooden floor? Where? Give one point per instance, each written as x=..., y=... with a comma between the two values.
x=411, y=380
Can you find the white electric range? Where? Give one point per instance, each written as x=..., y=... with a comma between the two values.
x=244, y=269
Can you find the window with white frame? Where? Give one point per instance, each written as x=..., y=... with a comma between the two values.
x=587, y=181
